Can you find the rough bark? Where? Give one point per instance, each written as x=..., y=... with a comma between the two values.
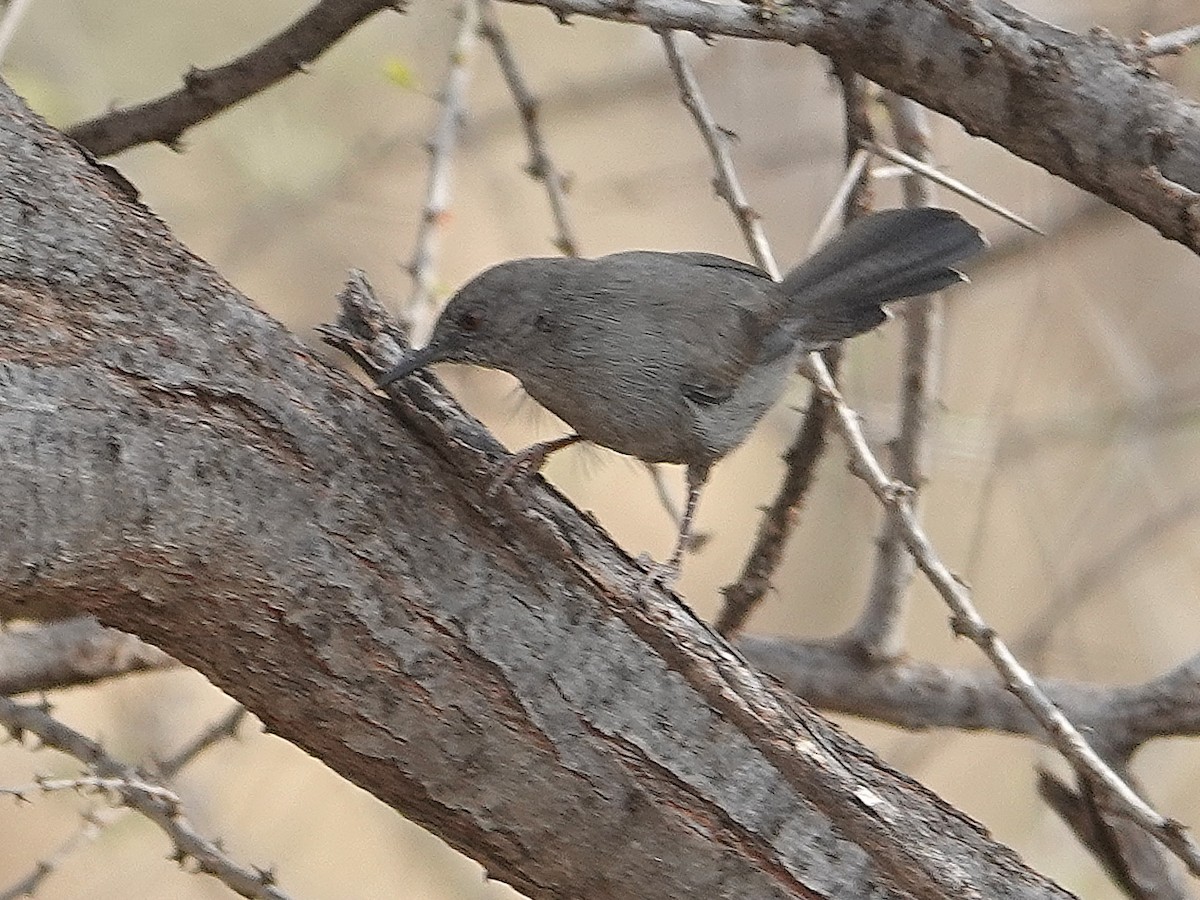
x=181, y=467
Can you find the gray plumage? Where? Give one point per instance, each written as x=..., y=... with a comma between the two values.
x=673, y=357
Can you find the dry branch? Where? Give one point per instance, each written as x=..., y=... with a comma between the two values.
x=70, y=652
x=207, y=92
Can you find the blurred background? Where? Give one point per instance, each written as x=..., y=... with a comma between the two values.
x=1065, y=486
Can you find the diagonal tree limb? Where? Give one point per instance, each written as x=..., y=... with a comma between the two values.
x=364, y=595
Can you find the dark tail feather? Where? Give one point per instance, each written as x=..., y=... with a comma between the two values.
x=839, y=291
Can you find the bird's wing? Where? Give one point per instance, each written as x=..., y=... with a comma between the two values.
x=718, y=315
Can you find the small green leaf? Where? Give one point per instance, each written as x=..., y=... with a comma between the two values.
x=400, y=73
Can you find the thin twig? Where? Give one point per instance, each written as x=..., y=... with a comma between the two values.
x=1170, y=44
x=968, y=623
x=728, y=186
x=91, y=784
x=879, y=631
x=835, y=213
x=222, y=729
x=808, y=446
x=207, y=92
x=951, y=184
x=94, y=822
x=11, y=18
x=541, y=167
x=210, y=859
x=441, y=148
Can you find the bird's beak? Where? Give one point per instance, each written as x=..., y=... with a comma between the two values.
x=416, y=360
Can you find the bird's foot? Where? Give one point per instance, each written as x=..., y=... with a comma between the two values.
x=531, y=459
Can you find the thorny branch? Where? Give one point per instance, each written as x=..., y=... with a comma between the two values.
x=96, y=819
x=207, y=92
x=441, y=147
x=968, y=623
x=879, y=631
x=809, y=444
x=896, y=497
x=541, y=166
x=20, y=719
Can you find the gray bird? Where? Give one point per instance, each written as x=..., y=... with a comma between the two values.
x=673, y=357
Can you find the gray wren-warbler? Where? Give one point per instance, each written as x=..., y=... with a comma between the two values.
x=673, y=357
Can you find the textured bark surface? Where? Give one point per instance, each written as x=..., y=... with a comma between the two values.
x=181, y=467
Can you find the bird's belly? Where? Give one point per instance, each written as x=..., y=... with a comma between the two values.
x=654, y=422
x=650, y=428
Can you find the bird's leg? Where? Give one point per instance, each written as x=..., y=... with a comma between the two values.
x=531, y=459
x=666, y=574
x=696, y=539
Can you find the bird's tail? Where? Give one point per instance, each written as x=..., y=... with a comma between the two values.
x=840, y=290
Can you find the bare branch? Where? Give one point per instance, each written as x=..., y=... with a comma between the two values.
x=807, y=448
x=541, y=167
x=164, y=813
x=93, y=784
x=222, y=729
x=207, y=92
x=1118, y=719
x=852, y=184
x=96, y=819
x=441, y=146
x=968, y=623
x=70, y=652
x=1031, y=87
x=728, y=185
x=879, y=631
x=914, y=163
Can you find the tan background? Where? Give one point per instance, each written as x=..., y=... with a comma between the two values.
x=1071, y=380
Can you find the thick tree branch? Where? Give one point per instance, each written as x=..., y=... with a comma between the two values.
x=1085, y=107
x=917, y=695
x=182, y=468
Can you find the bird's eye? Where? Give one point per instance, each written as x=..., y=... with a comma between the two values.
x=469, y=321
